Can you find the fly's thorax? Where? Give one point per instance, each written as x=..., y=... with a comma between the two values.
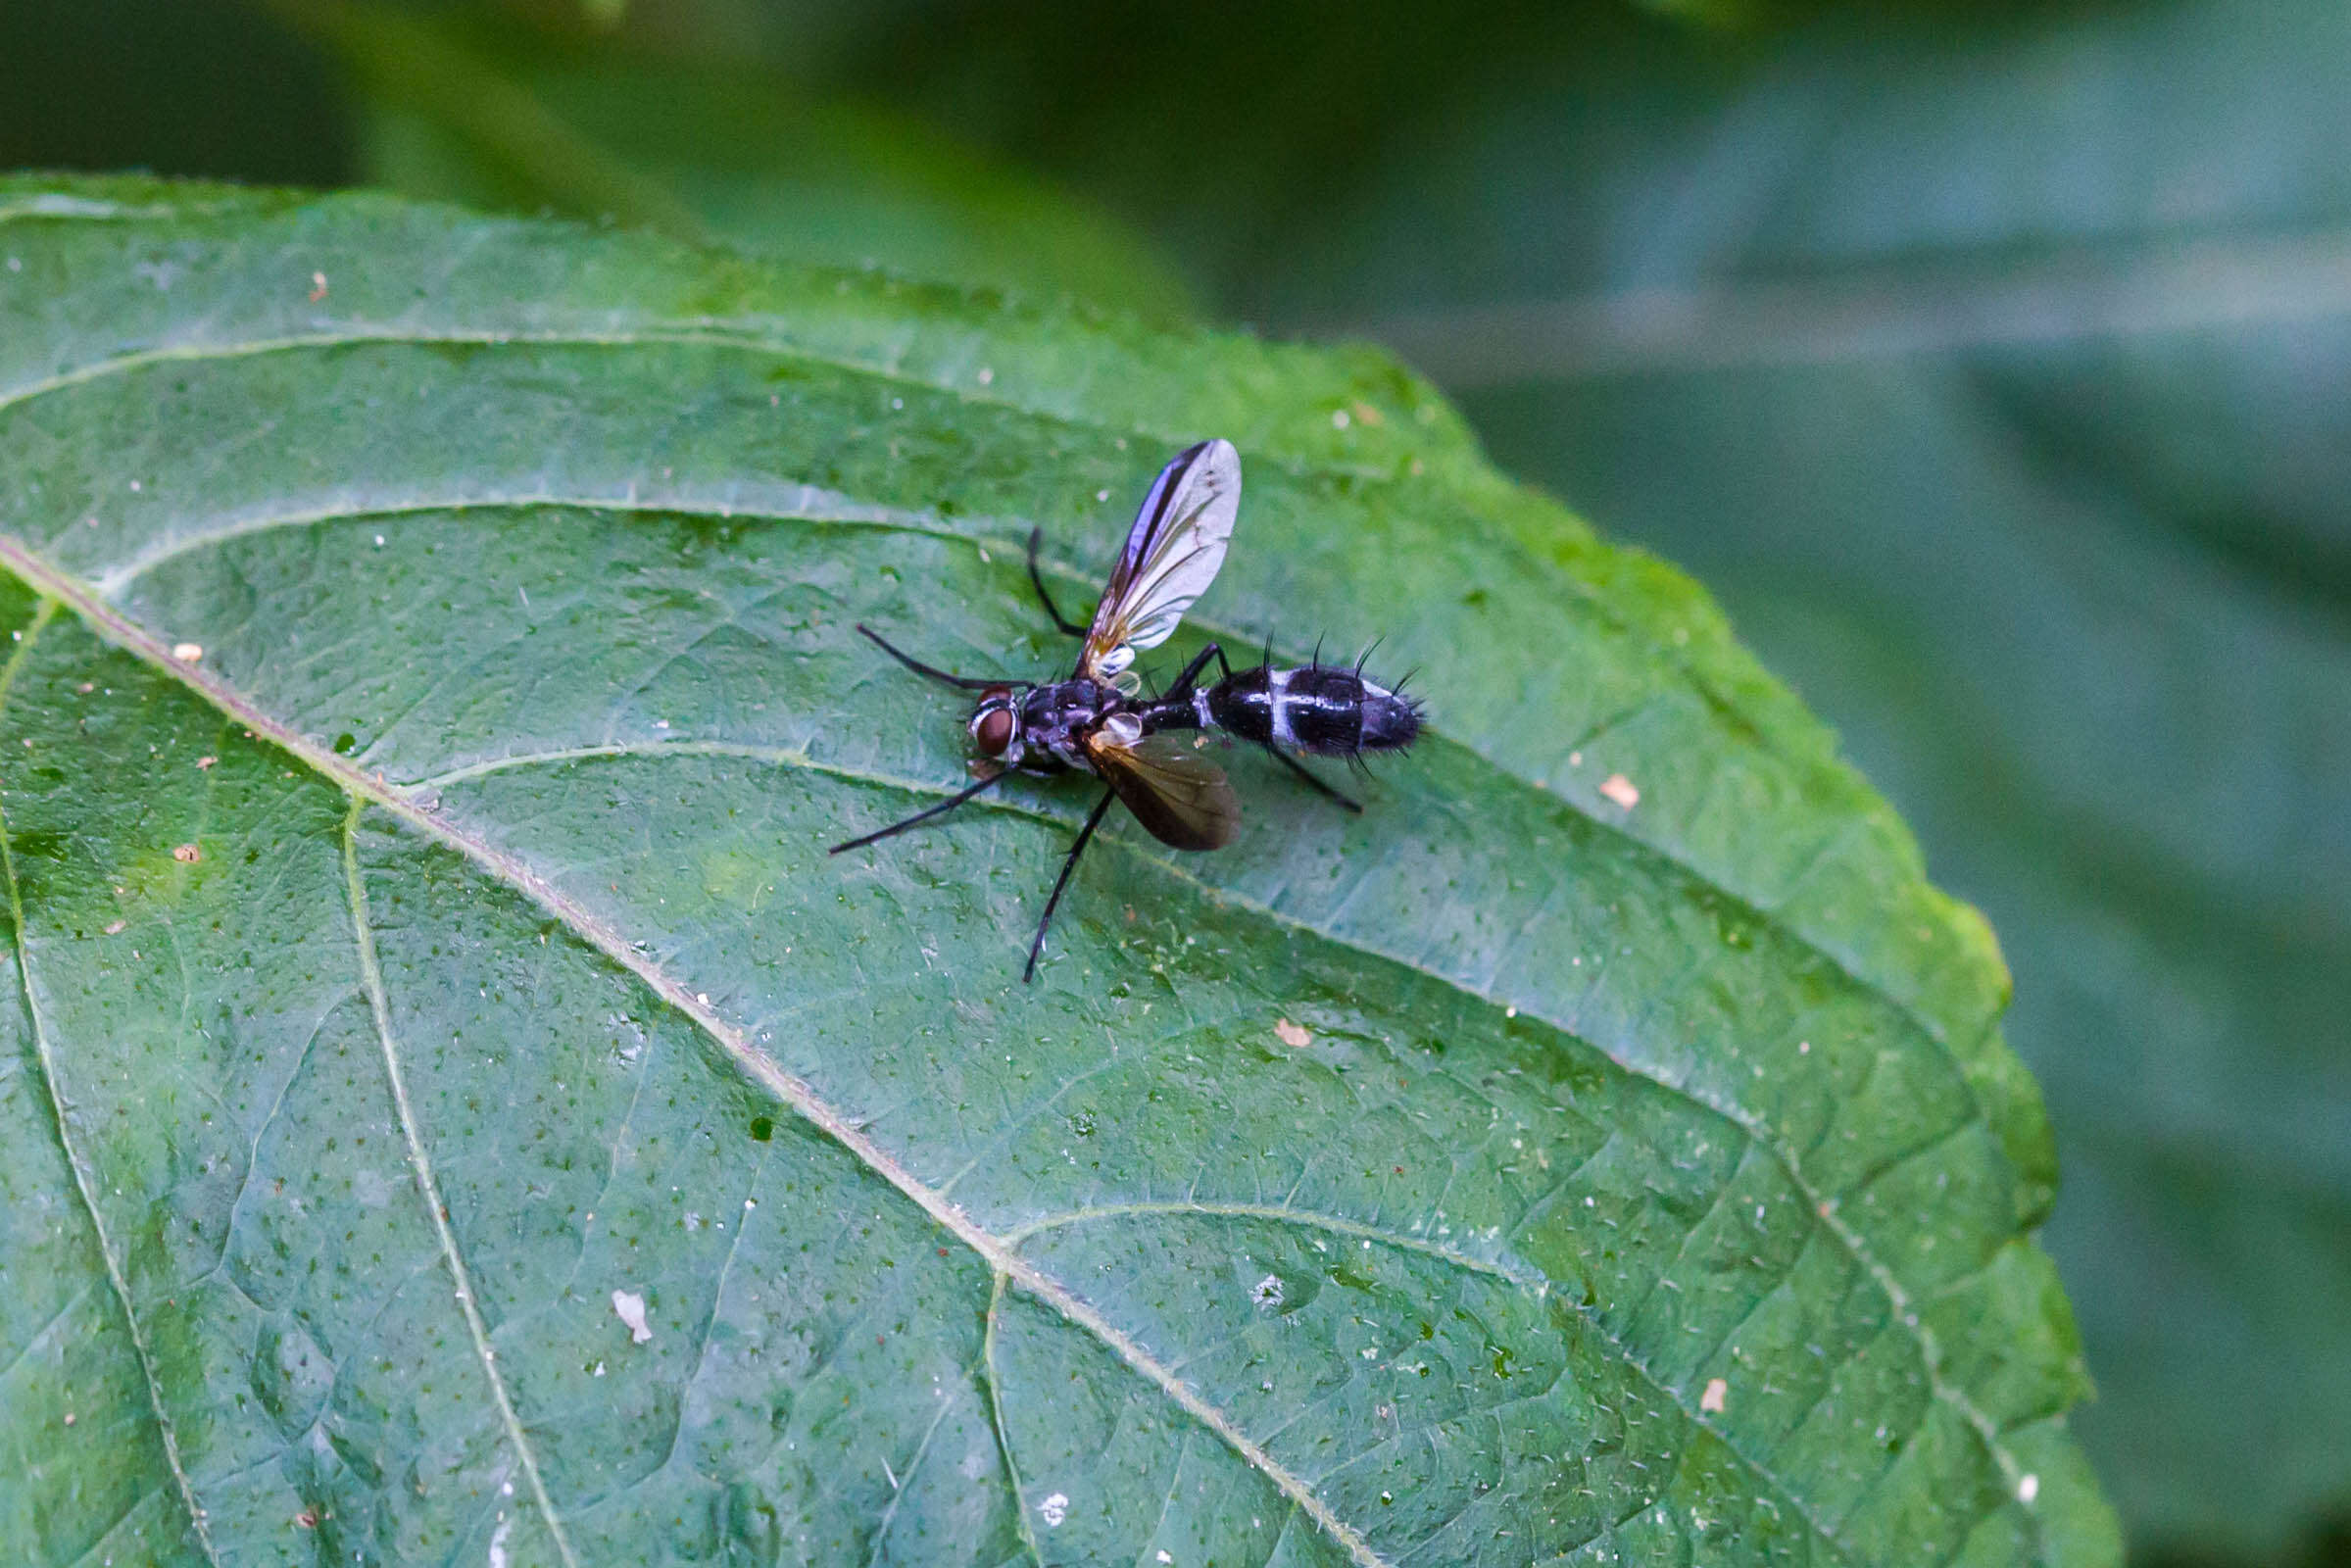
x=1057, y=718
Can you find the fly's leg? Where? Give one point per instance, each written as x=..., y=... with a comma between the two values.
x=1191, y=673
x=1037, y=580
x=940, y=810
x=1302, y=771
x=1347, y=801
x=1085, y=833
x=969, y=683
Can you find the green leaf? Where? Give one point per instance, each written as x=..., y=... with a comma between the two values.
x=714, y=153
x=1999, y=375
x=457, y=1110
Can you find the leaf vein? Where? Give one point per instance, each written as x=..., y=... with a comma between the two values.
x=47, y=1051
x=115, y=627
x=427, y=1188
x=366, y=790
x=838, y=511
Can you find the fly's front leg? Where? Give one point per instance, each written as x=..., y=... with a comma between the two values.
x=1037, y=581
x=969, y=683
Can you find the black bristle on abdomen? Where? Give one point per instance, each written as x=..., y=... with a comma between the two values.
x=1317, y=708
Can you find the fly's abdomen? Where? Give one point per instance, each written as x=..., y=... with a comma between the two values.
x=1317, y=708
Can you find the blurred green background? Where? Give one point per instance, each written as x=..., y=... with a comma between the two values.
x=1990, y=363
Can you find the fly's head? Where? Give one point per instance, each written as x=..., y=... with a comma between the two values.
x=996, y=728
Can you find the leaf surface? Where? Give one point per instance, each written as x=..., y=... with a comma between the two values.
x=457, y=1110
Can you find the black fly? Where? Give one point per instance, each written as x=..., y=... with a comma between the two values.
x=1099, y=722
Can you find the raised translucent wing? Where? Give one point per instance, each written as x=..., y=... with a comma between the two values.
x=1171, y=556
x=1175, y=792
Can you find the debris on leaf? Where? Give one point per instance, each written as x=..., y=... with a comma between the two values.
x=1717, y=1397
x=1053, y=1509
x=631, y=1311
x=1297, y=1036
x=187, y=653
x=318, y=287
x=187, y=855
x=1619, y=789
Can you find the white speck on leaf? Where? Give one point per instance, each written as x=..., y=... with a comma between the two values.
x=2028, y=1487
x=187, y=653
x=1267, y=1292
x=1053, y=1509
x=1297, y=1036
x=630, y=1308
x=1717, y=1396
x=1620, y=789
x=318, y=287
x=498, y=1544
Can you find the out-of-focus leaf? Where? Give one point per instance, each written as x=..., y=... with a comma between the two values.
x=716, y=152
x=455, y=1110
x=2001, y=378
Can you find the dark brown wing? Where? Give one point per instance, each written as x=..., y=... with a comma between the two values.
x=1179, y=795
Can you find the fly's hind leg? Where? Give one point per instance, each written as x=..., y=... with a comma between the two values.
x=1321, y=788
x=1192, y=673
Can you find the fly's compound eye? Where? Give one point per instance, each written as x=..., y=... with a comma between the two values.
x=992, y=729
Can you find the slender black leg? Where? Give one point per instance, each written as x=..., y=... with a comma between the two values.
x=927, y=814
x=970, y=683
x=1191, y=673
x=1029, y=974
x=1037, y=579
x=1300, y=769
